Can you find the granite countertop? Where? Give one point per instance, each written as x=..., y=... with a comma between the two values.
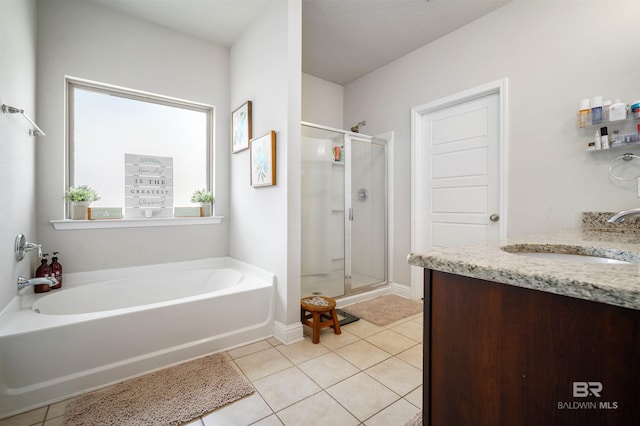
x=615, y=284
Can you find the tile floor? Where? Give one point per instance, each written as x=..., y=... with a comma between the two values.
x=368, y=375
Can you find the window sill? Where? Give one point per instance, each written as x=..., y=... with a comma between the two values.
x=66, y=225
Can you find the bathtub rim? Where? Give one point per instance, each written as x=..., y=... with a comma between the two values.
x=21, y=306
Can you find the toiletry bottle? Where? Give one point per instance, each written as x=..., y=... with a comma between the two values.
x=606, y=109
x=596, y=110
x=604, y=137
x=598, y=140
x=618, y=110
x=56, y=270
x=584, y=113
x=42, y=271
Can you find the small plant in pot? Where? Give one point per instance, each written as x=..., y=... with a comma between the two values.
x=205, y=199
x=80, y=198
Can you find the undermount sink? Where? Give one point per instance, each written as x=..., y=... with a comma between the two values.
x=570, y=253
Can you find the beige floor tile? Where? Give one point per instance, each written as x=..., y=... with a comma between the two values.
x=419, y=319
x=242, y=412
x=411, y=330
x=249, y=349
x=26, y=419
x=397, y=375
x=263, y=363
x=362, y=354
x=272, y=420
x=317, y=410
x=403, y=320
x=362, y=396
x=59, y=421
x=274, y=342
x=57, y=409
x=335, y=341
x=195, y=422
x=398, y=413
x=412, y=355
x=285, y=388
x=329, y=369
x=302, y=351
x=415, y=397
x=363, y=328
x=390, y=341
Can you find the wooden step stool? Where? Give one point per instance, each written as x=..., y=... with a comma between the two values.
x=319, y=308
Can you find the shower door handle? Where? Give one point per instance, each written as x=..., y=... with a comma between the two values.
x=350, y=214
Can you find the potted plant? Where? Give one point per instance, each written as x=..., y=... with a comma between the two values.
x=205, y=199
x=80, y=198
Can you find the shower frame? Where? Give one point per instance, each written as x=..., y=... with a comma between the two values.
x=348, y=218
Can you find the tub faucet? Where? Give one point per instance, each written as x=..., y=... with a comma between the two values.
x=23, y=282
x=621, y=216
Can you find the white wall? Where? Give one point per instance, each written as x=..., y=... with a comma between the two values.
x=554, y=54
x=265, y=222
x=85, y=40
x=17, y=148
x=322, y=102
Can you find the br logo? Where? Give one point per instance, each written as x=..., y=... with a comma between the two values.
x=585, y=389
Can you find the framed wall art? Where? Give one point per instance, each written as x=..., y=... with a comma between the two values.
x=263, y=160
x=241, y=128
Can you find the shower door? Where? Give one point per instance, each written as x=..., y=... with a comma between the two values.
x=343, y=197
x=367, y=213
x=323, y=212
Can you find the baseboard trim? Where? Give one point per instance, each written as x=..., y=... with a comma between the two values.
x=287, y=334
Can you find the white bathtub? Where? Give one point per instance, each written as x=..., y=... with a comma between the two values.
x=106, y=326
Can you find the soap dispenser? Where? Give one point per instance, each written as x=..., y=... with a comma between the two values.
x=56, y=270
x=43, y=270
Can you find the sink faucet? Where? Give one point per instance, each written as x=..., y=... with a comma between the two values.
x=23, y=282
x=621, y=216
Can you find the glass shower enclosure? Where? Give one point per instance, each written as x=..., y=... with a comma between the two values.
x=344, y=212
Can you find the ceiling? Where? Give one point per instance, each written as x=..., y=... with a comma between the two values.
x=342, y=40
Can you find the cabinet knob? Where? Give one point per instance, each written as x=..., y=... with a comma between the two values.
x=494, y=217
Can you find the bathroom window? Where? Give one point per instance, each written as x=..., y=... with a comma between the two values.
x=105, y=123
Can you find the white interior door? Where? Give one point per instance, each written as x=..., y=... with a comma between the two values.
x=458, y=172
x=462, y=182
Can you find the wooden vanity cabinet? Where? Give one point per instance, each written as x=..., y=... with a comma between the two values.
x=498, y=354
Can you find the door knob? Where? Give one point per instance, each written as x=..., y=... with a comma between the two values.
x=494, y=217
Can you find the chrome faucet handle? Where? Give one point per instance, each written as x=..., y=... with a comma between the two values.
x=21, y=247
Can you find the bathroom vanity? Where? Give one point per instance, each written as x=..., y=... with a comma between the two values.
x=517, y=338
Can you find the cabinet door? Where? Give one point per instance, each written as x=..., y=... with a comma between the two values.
x=504, y=355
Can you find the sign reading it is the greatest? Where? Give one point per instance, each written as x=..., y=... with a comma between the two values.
x=148, y=184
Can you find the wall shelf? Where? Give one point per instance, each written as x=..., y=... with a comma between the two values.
x=631, y=136
x=626, y=145
x=630, y=118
